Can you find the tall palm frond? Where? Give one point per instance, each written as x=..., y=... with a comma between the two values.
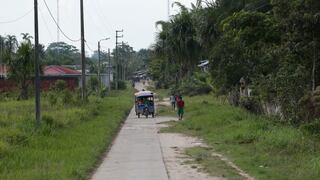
x=182, y=7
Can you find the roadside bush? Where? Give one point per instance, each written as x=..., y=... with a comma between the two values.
x=52, y=98
x=196, y=85
x=104, y=92
x=312, y=128
x=66, y=97
x=48, y=120
x=4, y=148
x=59, y=86
x=251, y=104
x=60, y=120
x=234, y=97
x=94, y=84
x=121, y=85
x=13, y=136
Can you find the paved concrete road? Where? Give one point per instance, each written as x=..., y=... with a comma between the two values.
x=136, y=153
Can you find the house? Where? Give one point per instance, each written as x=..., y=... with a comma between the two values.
x=204, y=65
x=53, y=73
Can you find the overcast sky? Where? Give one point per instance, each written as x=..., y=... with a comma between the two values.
x=102, y=17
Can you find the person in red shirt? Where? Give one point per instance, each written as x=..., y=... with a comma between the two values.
x=180, y=105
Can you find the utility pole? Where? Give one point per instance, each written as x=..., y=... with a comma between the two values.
x=83, y=56
x=123, y=68
x=99, y=62
x=99, y=67
x=109, y=69
x=117, y=60
x=58, y=30
x=121, y=60
x=36, y=64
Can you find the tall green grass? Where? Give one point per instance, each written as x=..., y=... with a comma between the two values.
x=69, y=143
x=261, y=146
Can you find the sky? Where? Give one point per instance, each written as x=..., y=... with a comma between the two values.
x=102, y=18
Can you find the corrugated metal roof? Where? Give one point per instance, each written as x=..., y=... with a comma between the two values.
x=59, y=70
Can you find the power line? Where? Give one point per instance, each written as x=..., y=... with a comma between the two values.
x=101, y=15
x=89, y=46
x=46, y=24
x=17, y=19
x=92, y=20
x=58, y=24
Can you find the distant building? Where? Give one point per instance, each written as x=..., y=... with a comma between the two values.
x=50, y=75
x=53, y=73
x=204, y=65
x=72, y=77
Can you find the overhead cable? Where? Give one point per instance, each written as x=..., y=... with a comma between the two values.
x=55, y=21
x=17, y=19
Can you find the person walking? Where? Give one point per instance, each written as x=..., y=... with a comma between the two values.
x=180, y=105
x=173, y=101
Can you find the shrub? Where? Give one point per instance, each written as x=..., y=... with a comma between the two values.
x=52, y=98
x=59, y=85
x=4, y=148
x=66, y=97
x=104, y=92
x=48, y=120
x=121, y=85
x=13, y=136
x=234, y=97
x=251, y=104
x=312, y=128
x=94, y=84
x=194, y=85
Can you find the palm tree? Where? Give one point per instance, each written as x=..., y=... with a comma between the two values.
x=11, y=43
x=21, y=68
x=26, y=37
x=2, y=48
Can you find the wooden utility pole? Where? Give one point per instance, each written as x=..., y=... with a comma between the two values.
x=99, y=67
x=99, y=62
x=36, y=64
x=117, y=58
x=109, y=69
x=83, y=55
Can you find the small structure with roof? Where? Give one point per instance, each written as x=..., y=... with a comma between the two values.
x=204, y=65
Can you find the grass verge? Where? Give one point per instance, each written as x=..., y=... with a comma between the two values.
x=68, y=145
x=259, y=145
x=213, y=165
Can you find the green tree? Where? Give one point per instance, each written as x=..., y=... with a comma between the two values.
x=21, y=68
x=60, y=53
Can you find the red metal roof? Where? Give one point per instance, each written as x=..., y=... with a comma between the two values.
x=59, y=70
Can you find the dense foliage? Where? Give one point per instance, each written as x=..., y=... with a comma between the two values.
x=273, y=44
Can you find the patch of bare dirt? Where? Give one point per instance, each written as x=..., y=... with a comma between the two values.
x=173, y=147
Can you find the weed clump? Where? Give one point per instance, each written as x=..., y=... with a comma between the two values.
x=4, y=148
x=13, y=136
